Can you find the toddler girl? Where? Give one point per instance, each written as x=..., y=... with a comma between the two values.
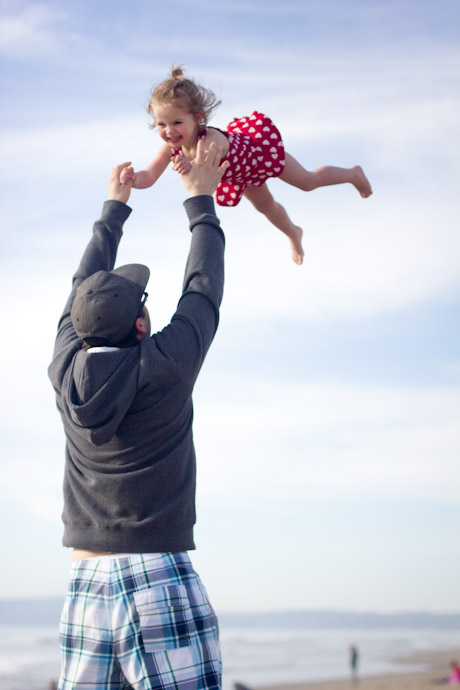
x=253, y=146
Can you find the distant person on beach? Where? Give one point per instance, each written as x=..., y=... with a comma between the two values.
x=354, y=656
x=136, y=613
x=454, y=678
x=252, y=145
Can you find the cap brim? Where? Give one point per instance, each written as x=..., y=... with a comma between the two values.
x=138, y=273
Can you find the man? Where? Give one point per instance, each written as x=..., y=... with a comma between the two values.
x=354, y=655
x=136, y=614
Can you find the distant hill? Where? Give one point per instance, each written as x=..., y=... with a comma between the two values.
x=31, y=611
x=341, y=619
x=48, y=611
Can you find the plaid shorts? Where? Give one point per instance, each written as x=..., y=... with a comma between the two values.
x=141, y=621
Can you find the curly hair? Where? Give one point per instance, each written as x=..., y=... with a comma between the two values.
x=183, y=93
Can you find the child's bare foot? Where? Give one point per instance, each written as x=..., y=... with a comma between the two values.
x=360, y=181
x=296, y=244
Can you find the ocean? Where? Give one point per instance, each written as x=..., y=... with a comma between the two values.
x=29, y=656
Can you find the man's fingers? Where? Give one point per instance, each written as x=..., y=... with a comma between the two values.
x=205, y=174
x=222, y=168
x=199, y=158
x=211, y=154
x=214, y=154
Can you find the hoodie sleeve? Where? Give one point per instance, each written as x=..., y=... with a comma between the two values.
x=100, y=254
x=193, y=326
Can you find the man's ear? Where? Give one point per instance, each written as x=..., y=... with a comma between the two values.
x=141, y=326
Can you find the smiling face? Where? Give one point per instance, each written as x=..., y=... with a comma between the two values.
x=175, y=125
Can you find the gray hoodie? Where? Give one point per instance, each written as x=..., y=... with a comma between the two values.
x=129, y=483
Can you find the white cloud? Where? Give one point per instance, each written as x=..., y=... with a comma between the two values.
x=328, y=439
x=30, y=30
x=373, y=259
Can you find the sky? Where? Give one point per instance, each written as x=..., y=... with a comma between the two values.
x=327, y=412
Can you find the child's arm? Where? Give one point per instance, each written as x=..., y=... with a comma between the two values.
x=220, y=140
x=146, y=178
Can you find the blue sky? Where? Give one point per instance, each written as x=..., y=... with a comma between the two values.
x=327, y=412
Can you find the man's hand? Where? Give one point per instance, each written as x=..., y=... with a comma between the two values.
x=206, y=171
x=117, y=190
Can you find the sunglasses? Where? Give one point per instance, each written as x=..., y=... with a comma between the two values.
x=143, y=301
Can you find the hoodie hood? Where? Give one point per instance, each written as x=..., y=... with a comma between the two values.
x=97, y=391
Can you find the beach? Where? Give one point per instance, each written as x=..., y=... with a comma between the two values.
x=437, y=668
x=283, y=658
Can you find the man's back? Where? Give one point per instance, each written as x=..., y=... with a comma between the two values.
x=127, y=413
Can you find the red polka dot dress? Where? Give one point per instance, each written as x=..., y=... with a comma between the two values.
x=255, y=154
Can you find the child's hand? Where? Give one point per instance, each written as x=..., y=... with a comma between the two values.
x=181, y=164
x=127, y=176
x=118, y=190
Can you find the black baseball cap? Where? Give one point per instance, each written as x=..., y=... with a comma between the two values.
x=107, y=303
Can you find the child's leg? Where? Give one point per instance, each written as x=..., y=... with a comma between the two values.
x=263, y=201
x=296, y=175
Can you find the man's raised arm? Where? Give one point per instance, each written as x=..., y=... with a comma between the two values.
x=100, y=254
x=195, y=322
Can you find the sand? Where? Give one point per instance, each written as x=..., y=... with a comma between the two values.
x=437, y=668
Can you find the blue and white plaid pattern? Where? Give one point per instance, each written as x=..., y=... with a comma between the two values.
x=141, y=621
